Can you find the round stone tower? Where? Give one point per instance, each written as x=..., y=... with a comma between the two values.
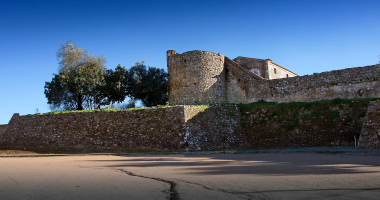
x=196, y=78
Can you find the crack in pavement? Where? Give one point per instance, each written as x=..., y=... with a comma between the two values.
x=218, y=189
x=13, y=180
x=209, y=188
x=173, y=194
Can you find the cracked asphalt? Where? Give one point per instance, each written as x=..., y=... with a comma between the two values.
x=270, y=175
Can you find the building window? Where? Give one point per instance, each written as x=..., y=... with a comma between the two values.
x=287, y=75
x=275, y=71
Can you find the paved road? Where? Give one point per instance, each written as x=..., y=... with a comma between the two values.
x=281, y=175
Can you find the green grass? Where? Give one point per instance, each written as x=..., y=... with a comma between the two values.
x=292, y=114
x=102, y=110
x=245, y=107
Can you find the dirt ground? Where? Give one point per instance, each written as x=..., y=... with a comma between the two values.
x=289, y=175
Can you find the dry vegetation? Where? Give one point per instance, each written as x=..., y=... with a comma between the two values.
x=16, y=152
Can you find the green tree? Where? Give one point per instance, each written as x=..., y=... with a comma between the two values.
x=115, y=88
x=148, y=85
x=80, y=82
x=70, y=56
x=83, y=82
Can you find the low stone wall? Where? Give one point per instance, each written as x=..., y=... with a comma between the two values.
x=370, y=133
x=302, y=124
x=270, y=125
x=215, y=127
x=150, y=129
x=212, y=127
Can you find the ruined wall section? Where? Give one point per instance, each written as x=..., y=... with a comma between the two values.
x=240, y=82
x=196, y=78
x=351, y=83
x=252, y=63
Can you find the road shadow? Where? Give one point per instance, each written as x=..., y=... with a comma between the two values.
x=281, y=164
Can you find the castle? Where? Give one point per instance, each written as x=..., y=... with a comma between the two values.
x=204, y=77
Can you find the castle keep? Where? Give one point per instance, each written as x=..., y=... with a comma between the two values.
x=204, y=77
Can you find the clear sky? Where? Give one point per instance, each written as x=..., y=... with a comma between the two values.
x=305, y=36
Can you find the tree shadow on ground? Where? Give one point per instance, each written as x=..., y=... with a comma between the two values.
x=281, y=164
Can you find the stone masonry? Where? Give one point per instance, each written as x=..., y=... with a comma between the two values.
x=370, y=133
x=203, y=77
x=3, y=128
x=196, y=78
x=205, y=127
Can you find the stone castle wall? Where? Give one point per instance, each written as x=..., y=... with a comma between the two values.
x=352, y=83
x=216, y=127
x=196, y=78
x=238, y=79
x=259, y=64
x=150, y=129
x=3, y=128
x=370, y=133
x=203, y=77
x=212, y=127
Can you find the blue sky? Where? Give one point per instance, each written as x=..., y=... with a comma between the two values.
x=304, y=36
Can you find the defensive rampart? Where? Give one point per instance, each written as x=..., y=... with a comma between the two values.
x=203, y=77
x=370, y=133
x=153, y=129
x=3, y=128
x=352, y=83
x=217, y=127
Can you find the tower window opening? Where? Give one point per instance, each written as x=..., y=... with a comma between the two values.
x=275, y=71
x=287, y=75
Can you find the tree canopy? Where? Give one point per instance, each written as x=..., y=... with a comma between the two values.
x=115, y=88
x=80, y=80
x=83, y=82
x=148, y=85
